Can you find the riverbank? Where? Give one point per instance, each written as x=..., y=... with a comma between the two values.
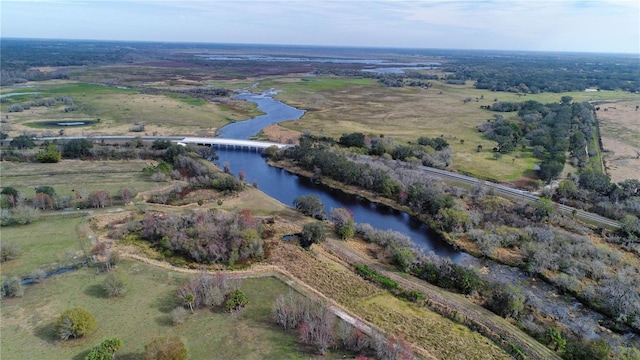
x=552, y=304
x=373, y=197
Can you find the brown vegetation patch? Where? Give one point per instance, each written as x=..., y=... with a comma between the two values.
x=101, y=221
x=439, y=336
x=277, y=133
x=335, y=282
x=620, y=133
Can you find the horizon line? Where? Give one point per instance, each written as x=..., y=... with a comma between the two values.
x=319, y=46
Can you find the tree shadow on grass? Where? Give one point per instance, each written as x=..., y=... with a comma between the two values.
x=164, y=320
x=46, y=332
x=96, y=291
x=167, y=302
x=129, y=356
x=81, y=356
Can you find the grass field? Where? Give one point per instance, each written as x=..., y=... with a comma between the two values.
x=142, y=315
x=119, y=109
x=44, y=244
x=81, y=176
x=337, y=106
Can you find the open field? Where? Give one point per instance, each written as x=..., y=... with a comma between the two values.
x=83, y=177
x=120, y=109
x=620, y=133
x=336, y=106
x=142, y=315
x=44, y=244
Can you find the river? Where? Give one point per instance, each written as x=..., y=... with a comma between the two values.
x=285, y=187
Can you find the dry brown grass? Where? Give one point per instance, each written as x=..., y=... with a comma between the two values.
x=620, y=132
x=439, y=336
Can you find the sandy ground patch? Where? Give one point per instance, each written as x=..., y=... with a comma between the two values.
x=282, y=135
x=620, y=132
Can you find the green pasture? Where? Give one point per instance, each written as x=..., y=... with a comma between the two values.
x=142, y=315
x=77, y=178
x=45, y=244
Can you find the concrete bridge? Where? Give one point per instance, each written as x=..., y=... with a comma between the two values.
x=250, y=145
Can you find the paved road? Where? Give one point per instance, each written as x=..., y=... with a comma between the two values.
x=518, y=195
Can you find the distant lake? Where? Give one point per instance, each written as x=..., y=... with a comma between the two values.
x=394, y=67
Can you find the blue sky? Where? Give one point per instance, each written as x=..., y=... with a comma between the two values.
x=560, y=25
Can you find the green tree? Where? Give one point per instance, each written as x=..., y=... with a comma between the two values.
x=77, y=148
x=105, y=350
x=310, y=205
x=596, y=181
x=543, y=208
x=343, y=222
x=314, y=233
x=74, y=323
x=352, y=140
x=22, y=142
x=404, y=258
x=49, y=155
x=45, y=189
x=236, y=299
x=172, y=153
x=554, y=338
x=165, y=348
x=568, y=189
x=160, y=144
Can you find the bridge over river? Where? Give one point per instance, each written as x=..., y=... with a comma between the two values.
x=250, y=145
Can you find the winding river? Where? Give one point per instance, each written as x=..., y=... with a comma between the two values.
x=285, y=187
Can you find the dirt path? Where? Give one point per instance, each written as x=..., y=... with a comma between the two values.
x=265, y=270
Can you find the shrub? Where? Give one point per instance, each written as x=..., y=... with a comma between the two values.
x=289, y=311
x=165, y=348
x=9, y=251
x=75, y=323
x=11, y=288
x=114, y=286
x=105, y=351
x=50, y=155
x=178, y=315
